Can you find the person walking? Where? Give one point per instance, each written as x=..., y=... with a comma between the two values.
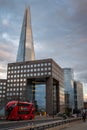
x=84, y=116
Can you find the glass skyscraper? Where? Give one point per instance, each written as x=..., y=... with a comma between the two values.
x=26, y=47
x=68, y=85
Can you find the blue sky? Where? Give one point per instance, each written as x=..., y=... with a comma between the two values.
x=59, y=31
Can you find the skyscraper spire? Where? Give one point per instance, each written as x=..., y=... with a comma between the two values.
x=26, y=47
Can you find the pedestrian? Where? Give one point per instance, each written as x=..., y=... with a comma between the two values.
x=84, y=116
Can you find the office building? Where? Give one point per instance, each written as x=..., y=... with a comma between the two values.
x=78, y=96
x=38, y=81
x=68, y=86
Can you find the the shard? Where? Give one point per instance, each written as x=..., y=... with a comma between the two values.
x=26, y=47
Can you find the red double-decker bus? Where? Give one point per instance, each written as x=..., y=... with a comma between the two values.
x=16, y=110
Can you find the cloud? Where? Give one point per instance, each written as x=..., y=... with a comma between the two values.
x=59, y=31
x=85, y=97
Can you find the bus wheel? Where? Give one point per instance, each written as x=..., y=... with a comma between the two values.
x=30, y=118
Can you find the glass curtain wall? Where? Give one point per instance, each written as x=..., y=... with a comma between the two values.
x=40, y=97
x=36, y=93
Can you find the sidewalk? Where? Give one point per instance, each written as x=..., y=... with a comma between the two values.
x=78, y=125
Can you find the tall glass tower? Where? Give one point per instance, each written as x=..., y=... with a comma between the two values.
x=26, y=47
x=69, y=86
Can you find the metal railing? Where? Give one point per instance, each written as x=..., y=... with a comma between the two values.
x=48, y=125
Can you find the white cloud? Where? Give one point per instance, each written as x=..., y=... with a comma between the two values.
x=5, y=22
x=5, y=36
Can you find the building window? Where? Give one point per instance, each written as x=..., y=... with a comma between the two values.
x=31, y=74
x=21, y=75
x=45, y=73
x=14, y=76
x=24, y=84
x=18, y=75
x=8, y=72
x=35, y=69
x=45, y=64
x=10, y=89
x=14, y=89
x=4, y=83
x=42, y=64
x=25, y=66
x=8, y=68
x=12, y=72
x=35, y=65
x=17, y=89
x=38, y=69
x=8, y=81
x=21, y=84
x=14, y=84
x=45, y=68
x=24, y=75
x=27, y=74
x=38, y=65
x=22, y=66
x=41, y=69
x=38, y=74
x=49, y=63
x=28, y=70
x=8, y=76
x=21, y=71
x=34, y=74
x=21, y=89
x=12, y=67
x=28, y=66
x=49, y=68
x=18, y=71
x=15, y=67
x=18, y=67
x=11, y=80
x=24, y=70
x=24, y=79
x=7, y=94
x=21, y=79
x=11, y=76
x=31, y=70
x=15, y=80
x=42, y=73
x=31, y=65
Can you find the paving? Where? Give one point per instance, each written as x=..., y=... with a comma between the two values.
x=78, y=125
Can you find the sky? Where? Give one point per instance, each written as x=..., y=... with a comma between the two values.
x=59, y=31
